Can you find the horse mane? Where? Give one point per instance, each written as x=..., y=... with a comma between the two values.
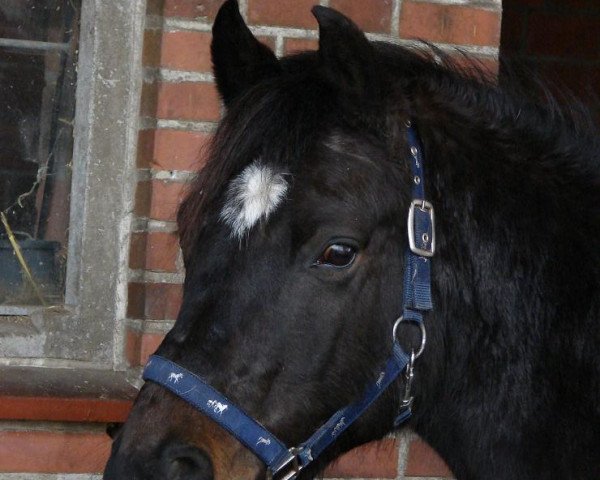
x=439, y=89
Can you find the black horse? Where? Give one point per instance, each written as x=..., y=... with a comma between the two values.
x=293, y=238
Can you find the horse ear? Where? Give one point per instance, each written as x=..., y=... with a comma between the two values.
x=346, y=55
x=239, y=59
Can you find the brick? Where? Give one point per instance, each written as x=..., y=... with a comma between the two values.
x=373, y=460
x=449, y=24
x=163, y=301
x=162, y=251
x=149, y=344
x=200, y=9
x=152, y=48
x=133, y=341
x=179, y=150
x=53, y=452
x=268, y=41
x=145, y=148
x=139, y=346
x=424, y=462
x=472, y=62
x=188, y=101
x=136, y=299
x=154, y=7
x=284, y=13
x=156, y=251
x=137, y=250
x=186, y=51
x=166, y=197
x=155, y=301
x=149, y=99
x=143, y=199
x=565, y=36
x=369, y=15
x=295, y=45
x=490, y=65
x=63, y=409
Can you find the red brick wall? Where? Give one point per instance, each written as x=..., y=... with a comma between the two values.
x=179, y=111
x=558, y=38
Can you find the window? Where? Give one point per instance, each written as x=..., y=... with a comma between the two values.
x=88, y=291
x=38, y=50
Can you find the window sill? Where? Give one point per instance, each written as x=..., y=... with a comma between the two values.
x=65, y=395
x=19, y=310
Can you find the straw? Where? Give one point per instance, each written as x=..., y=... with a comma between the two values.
x=21, y=259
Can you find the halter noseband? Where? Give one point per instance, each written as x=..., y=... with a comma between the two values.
x=285, y=463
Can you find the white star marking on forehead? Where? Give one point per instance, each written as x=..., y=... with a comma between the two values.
x=251, y=196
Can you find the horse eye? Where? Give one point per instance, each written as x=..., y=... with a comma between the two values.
x=337, y=255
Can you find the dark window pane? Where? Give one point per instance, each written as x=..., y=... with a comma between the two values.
x=38, y=50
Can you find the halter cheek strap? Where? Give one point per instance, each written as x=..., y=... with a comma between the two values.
x=285, y=463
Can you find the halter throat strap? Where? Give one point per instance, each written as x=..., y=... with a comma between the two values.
x=282, y=462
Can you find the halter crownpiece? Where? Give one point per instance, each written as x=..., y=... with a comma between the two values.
x=282, y=462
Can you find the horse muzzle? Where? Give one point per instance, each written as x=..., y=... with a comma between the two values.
x=166, y=439
x=176, y=461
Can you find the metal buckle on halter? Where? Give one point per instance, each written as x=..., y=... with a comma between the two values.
x=289, y=468
x=428, y=244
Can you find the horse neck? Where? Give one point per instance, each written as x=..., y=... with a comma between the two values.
x=518, y=227
x=516, y=292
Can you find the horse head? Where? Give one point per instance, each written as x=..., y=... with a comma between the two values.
x=294, y=238
x=294, y=265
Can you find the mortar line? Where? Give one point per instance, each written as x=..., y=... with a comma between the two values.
x=279, y=46
x=243, y=6
x=147, y=225
x=493, y=5
x=395, y=20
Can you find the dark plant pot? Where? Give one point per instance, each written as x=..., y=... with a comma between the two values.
x=40, y=256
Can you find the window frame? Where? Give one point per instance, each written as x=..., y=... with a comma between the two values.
x=89, y=328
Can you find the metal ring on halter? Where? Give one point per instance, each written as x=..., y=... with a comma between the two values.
x=423, y=333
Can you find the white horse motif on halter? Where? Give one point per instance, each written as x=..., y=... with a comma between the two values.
x=216, y=406
x=175, y=377
x=263, y=441
x=339, y=427
x=380, y=379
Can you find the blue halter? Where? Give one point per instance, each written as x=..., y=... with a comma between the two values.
x=285, y=463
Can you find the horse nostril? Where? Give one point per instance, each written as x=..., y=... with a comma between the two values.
x=186, y=462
